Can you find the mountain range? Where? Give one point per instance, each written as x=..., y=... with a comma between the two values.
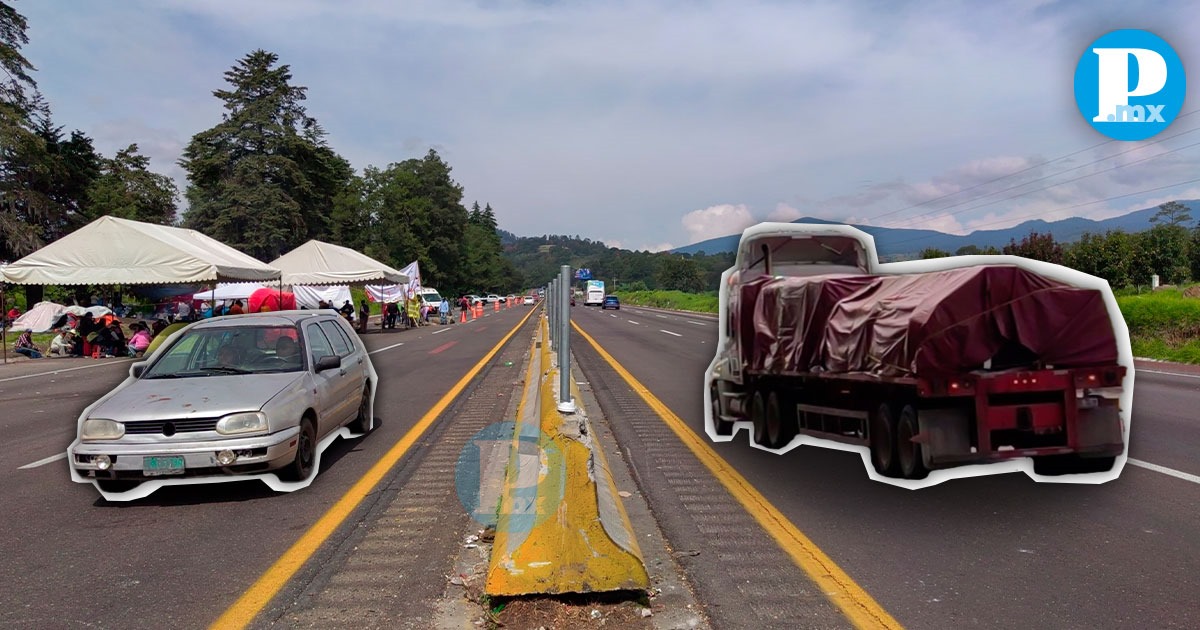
x=905, y=242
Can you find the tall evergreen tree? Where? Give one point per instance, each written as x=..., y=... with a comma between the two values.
x=263, y=180
x=127, y=188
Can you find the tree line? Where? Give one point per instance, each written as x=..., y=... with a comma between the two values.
x=264, y=180
x=1169, y=249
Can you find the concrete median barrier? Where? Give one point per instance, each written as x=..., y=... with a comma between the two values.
x=561, y=527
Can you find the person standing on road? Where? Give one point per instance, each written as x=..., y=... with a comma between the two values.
x=444, y=310
x=414, y=311
x=364, y=314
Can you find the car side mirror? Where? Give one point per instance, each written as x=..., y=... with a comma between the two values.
x=137, y=369
x=328, y=362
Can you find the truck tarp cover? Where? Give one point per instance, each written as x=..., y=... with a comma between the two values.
x=942, y=322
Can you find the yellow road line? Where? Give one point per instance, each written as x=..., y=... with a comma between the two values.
x=859, y=607
x=243, y=611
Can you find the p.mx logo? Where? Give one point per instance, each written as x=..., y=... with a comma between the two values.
x=1129, y=85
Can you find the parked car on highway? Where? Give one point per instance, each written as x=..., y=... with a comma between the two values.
x=232, y=395
x=610, y=301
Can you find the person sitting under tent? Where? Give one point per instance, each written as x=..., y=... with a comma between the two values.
x=63, y=344
x=24, y=345
x=140, y=340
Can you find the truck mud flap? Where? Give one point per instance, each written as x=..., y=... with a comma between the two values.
x=1098, y=427
x=944, y=436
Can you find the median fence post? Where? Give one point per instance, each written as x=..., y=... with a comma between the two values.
x=565, y=403
x=552, y=300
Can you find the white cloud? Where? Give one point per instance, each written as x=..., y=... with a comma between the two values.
x=784, y=213
x=632, y=110
x=715, y=221
x=660, y=247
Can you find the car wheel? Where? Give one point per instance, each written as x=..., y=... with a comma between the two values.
x=306, y=453
x=362, y=423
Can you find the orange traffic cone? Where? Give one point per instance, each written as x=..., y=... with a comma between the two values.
x=496, y=306
x=463, y=319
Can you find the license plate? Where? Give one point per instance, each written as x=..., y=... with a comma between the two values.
x=162, y=466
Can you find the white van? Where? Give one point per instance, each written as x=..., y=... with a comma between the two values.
x=431, y=298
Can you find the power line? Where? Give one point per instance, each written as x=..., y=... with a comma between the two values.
x=1052, y=175
x=1024, y=170
x=1044, y=188
x=1040, y=213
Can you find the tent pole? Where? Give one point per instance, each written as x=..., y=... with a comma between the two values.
x=4, y=328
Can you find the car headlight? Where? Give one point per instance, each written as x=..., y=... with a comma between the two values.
x=251, y=422
x=101, y=429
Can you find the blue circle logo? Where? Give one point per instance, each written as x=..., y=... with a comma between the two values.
x=535, y=489
x=1129, y=85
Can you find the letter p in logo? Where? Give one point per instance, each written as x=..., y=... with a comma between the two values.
x=1129, y=85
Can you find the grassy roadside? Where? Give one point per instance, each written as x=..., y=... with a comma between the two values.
x=677, y=300
x=1162, y=325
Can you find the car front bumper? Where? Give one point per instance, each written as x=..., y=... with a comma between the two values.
x=259, y=453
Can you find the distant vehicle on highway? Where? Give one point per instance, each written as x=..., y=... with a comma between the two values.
x=528, y=300
x=233, y=395
x=430, y=297
x=611, y=301
x=493, y=298
x=595, y=293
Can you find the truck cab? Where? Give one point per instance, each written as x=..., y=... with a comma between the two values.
x=771, y=250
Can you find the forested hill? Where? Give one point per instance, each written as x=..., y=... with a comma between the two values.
x=538, y=260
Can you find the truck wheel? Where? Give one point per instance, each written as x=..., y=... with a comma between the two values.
x=912, y=464
x=722, y=427
x=780, y=427
x=1054, y=465
x=758, y=415
x=883, y=441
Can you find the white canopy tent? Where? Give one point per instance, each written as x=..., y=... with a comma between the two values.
x=229, y=291
x=114, y=251
x=110, y=250
x=318, y=263
x=311, y=296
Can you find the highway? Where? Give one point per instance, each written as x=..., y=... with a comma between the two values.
x=993, y=552
x=182, y=556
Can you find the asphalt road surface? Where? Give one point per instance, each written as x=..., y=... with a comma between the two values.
x=992, y=552
x=179, y=558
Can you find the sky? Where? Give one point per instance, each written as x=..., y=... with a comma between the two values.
x=656, y=124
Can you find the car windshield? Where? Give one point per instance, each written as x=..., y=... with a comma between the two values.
x=230, y=350
x=431, y=296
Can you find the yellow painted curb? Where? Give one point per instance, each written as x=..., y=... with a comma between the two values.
x=855, y=603
x=569, y=533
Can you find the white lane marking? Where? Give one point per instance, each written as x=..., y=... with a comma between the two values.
x=50, y=373
x=441, y=331
x=662, y=316
x=43, y=462
x=1179, y=474
x=691, y=321
x=611, y=315
x=632, y=322
x=671, y=333
x=395, y=345
x=1139, y=370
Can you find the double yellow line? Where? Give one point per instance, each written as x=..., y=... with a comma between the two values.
x=859, y=607
x=243, y=611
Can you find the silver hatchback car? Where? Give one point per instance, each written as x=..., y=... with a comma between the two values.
x=232, y=395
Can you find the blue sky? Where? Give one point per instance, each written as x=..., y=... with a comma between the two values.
x=654, y=124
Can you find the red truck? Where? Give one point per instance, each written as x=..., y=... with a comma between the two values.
x=927, y=370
